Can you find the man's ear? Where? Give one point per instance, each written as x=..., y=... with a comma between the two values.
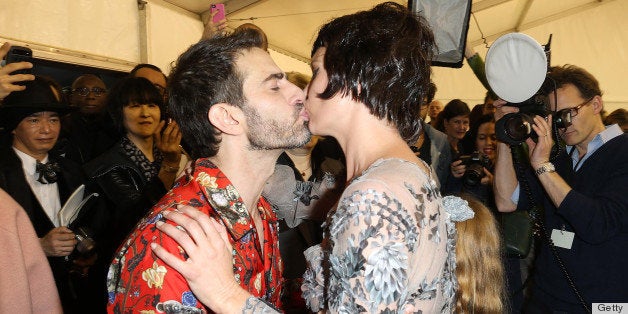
x=226, y=118
x=598, y=104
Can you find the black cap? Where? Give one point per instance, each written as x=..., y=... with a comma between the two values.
x=37, y=97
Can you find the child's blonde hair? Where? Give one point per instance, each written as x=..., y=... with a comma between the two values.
x=479, y=268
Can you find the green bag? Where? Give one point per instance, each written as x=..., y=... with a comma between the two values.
x=517, y=231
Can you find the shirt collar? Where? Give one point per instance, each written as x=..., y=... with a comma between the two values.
x=609, y=133
x=226, y=200
x=28, y=162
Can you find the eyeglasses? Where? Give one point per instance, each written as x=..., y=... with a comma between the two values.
x=563, y=117
x=84, y=91
x=160, y=89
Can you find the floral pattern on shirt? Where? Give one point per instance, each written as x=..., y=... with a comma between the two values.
x=390, y=247
x=139, y=282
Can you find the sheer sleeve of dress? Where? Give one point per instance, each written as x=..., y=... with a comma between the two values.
x=313, y=279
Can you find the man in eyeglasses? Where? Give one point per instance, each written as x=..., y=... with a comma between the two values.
x=87, y=132
x=584, y=193
x=88, y=94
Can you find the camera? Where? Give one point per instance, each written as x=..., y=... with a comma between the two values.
x=515, y=128
x=86, y=244
x=516, y=70
x=475, y=164
x=19, y=54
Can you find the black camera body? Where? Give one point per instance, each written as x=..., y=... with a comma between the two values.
x=19, y=54
x=475, y=164
x=515, y=128
x=85, y=243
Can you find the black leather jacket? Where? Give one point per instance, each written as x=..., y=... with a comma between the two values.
x=129, y=195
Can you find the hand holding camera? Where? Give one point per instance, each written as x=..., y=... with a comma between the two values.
x=473, y=169
x=458, y=168
x=15, y=69
x=216, y=22
x=541, y=149
x=59, y=241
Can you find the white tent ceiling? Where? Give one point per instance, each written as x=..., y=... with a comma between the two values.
x=291, y=25
x=118, y=34
x=589, y=33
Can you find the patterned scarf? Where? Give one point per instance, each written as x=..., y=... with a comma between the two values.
x=149, y=169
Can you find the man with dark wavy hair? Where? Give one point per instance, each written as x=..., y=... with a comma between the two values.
x=237, y=112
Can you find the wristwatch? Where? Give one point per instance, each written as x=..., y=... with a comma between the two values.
x=545, y=167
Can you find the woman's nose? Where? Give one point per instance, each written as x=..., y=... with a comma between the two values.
x=144, y=111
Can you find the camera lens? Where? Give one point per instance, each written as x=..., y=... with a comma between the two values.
x=514, y=128
x=519, y=127
x=473, y=175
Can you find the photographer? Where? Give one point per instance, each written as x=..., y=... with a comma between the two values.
x=472, y=172
x=584, y=192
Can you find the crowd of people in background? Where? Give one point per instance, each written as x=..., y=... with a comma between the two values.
x=230, y=185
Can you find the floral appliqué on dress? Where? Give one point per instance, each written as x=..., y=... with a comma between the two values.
x=390, y=247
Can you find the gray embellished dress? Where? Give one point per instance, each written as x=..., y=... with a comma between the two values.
x=389, y=247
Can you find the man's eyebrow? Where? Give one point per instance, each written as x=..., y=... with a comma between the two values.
x=274, y=76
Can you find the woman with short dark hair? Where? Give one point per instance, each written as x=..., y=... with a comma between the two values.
x=138, y=170
x=454, y=121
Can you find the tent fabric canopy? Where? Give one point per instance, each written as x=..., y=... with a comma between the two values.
x=592, y=34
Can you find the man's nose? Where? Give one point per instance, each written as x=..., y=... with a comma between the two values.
x=45, y=126
x=295, y=95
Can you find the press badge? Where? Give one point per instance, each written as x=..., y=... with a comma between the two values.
x=562, y=238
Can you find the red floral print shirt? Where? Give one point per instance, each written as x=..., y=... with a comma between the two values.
x=139, y=282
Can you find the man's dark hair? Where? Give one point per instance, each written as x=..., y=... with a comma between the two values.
x=130, y=90
x=147, y=66
x=204, y=75
x=380, y=57
x=586, y=83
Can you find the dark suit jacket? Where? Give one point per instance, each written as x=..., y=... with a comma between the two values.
x=13, y=181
